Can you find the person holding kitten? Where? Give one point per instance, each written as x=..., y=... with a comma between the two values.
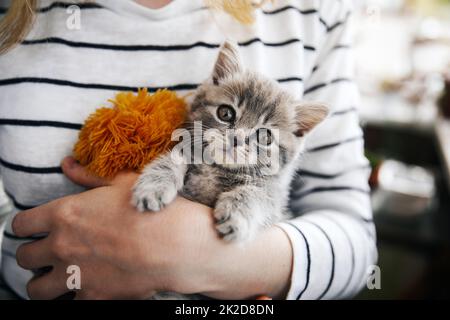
x=309, y=235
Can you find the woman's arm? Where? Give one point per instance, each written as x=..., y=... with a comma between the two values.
x=259, y=267
x=126, y=254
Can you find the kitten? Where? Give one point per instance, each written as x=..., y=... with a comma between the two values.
x=249, y=115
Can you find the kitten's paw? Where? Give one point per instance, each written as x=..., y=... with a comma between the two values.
x=152, y=195
x=233, y=220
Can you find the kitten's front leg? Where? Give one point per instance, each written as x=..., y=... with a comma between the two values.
x=243, y=211
x=159, y=183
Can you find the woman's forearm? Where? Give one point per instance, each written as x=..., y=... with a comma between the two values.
x=259, y=267
x=126, y=254
x=200, y=261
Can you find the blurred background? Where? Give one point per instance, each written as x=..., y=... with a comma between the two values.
x=403, y=68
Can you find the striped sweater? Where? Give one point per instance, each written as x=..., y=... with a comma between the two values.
x=59, y=74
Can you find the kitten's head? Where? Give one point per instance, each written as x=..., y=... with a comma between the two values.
x=251, y=116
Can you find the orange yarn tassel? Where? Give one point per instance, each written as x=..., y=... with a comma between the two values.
x=132, y=133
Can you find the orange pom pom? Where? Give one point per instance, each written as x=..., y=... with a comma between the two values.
x=129, y=135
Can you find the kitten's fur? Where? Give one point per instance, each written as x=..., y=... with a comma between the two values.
x=245, y=198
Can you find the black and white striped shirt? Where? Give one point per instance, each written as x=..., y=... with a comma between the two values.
x=55, y=78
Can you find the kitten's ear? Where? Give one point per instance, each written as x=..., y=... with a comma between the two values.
x=309, y=115
x=228, y=62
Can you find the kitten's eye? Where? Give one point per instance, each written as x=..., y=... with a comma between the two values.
x=264, y=137
x=226, y=113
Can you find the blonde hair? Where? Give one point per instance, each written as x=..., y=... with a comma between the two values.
x=21, y=13
x=16, y=23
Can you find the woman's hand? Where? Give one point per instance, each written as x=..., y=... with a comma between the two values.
x=122, y=253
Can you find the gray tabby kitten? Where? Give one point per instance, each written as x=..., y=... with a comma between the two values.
x=250, y=113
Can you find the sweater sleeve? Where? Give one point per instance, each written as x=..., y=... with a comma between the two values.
x=332, y=232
